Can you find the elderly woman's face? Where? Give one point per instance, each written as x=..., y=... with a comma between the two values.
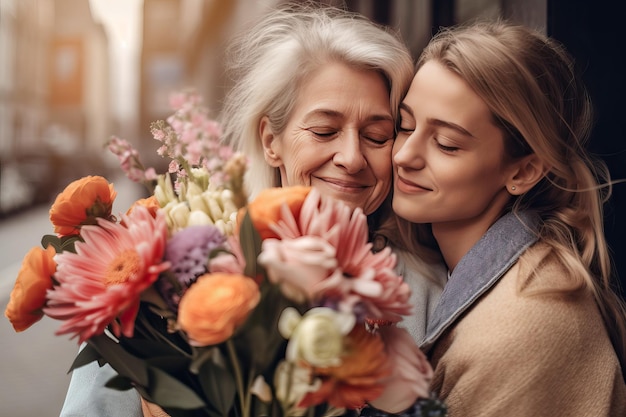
x=339, y=137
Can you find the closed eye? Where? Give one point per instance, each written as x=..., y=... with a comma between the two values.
x=445, y=148
x=323, y=134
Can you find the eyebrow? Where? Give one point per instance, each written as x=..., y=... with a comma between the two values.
x=336, y=114
x=439, y=122
x=450, y=125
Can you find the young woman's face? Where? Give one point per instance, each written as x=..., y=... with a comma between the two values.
x=449, y=160
x=339, y=137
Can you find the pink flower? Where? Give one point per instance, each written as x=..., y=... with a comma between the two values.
x=298, y=265
x=362, y=277
x=101, y=283
x=411, y=373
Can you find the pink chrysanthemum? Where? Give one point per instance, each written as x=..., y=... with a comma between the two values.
x=362, y=277
x=100, y=284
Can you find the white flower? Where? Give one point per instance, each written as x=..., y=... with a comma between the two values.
x=164, y=192
x=177, y=215
x=199, y=218
x=317, y=336
x=292, y=383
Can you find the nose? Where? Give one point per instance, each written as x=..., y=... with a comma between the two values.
x=408, y=152
x=349, y=154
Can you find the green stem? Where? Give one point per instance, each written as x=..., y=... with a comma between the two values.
x=238, y=378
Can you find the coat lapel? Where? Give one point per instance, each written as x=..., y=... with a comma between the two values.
x=480, y=268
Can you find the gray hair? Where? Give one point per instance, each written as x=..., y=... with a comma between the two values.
x=270, y=62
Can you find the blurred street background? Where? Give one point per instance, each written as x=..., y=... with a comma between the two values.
x=75, y=72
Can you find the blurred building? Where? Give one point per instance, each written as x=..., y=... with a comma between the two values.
x=54, y=111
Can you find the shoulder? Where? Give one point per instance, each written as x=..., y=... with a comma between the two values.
x=527, y=314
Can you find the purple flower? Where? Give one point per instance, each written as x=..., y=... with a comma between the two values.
x=188, y=253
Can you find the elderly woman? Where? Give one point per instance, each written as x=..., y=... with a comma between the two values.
x=314, y=103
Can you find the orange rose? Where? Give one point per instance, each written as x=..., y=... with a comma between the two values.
x=265, y=209
x=215, y=305
x=150, y=203
x=81, y=203
x=360, y=377
x=29, y=292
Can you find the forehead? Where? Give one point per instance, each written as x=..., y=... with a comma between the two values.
x=437, y=92
x=338, y=87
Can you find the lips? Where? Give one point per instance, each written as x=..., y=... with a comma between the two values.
x=405, y=185
x=346, y=184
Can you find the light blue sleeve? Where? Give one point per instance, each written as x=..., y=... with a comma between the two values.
x=88, y=397
x=426, y=282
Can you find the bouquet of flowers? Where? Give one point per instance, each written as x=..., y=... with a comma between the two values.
x=207, y=304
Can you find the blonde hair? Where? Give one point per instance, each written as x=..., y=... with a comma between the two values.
x=529, y=83
x=275, y=57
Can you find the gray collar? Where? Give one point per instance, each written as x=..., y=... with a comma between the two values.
x=480, y=268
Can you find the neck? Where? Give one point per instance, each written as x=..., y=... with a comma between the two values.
x=456, y=238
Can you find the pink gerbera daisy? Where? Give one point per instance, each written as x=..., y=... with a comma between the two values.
x=100, y=284
x=362, y=277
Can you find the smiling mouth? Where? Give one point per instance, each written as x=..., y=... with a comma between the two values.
x=350, y=185
x=404, y=183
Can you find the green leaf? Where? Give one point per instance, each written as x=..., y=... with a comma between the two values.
x=218, y=385
x=123, y=362
x=250, y=246
x=86, y=355
x=258, y=339
x=152, y=296
x=60, y=244
x=172, y=365
x=146, y=348
x=119, y=383
x=168, y=391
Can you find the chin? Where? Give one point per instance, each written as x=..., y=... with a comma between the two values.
x=404, y=209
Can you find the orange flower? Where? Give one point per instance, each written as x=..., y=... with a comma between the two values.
x=29, y=292
x=150, y=203
x=266, y=207
x=81, y=203
x=360, y=377
x=213, y=307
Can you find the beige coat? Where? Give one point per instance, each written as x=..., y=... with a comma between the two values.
x=519, y=351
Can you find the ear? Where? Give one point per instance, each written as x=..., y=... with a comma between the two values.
x=270, y=143
x=527, y=172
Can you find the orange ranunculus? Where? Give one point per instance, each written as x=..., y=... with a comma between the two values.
x=215, y=305
x=265, y=208
x=150, y=203
x=81, y=203
x=360, y=377
x=29, y=292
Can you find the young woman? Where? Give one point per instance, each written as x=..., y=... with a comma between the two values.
x=491, y=155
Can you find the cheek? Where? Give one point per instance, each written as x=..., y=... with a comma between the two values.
x=379, y=161
x=301, y=159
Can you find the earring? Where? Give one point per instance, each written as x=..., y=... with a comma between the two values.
x=513, y=188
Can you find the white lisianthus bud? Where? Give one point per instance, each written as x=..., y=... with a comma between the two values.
x=179, y=214
x=164, y=192
x=212, y=200
x=196, y=203
x=193, y=189
x=221, y=226
x=228, y=202
x=198, y=218
x=201, y=177
x=319, y=336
